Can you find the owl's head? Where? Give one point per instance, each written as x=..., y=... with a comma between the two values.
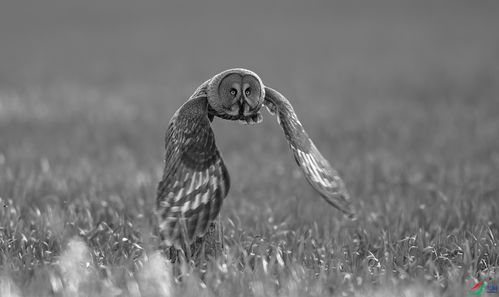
x=236, y=94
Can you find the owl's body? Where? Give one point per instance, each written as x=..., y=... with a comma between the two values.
x=195, y=180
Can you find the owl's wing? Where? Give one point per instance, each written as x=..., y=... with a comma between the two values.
x=318, y=172
x=195, y=180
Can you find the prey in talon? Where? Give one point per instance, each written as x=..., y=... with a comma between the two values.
x=251, y=119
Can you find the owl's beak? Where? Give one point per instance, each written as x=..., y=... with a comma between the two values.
x=242, y=107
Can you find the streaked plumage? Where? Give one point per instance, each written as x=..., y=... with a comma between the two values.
x=195, y=180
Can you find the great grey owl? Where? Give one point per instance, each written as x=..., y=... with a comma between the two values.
x=195, y=180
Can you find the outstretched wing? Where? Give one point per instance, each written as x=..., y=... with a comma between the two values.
x=195, y=180
x=319, y=173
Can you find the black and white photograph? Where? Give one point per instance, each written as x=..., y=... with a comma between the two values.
x=252, y=148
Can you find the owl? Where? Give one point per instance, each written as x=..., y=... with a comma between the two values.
x=195, y=180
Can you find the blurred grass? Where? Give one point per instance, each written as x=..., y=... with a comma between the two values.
x=402, y=97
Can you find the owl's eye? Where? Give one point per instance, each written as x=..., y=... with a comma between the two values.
x=247, y=91
x=233, y=92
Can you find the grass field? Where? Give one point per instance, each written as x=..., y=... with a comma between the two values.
x=402, y=97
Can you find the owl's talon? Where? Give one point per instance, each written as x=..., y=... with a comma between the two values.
x=271, y=108
x=257, y=118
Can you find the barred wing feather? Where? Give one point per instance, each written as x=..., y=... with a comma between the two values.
x=195, y=180
x=318, y=172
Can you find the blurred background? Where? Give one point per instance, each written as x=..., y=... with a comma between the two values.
x=388, y=90
x=401, y=96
